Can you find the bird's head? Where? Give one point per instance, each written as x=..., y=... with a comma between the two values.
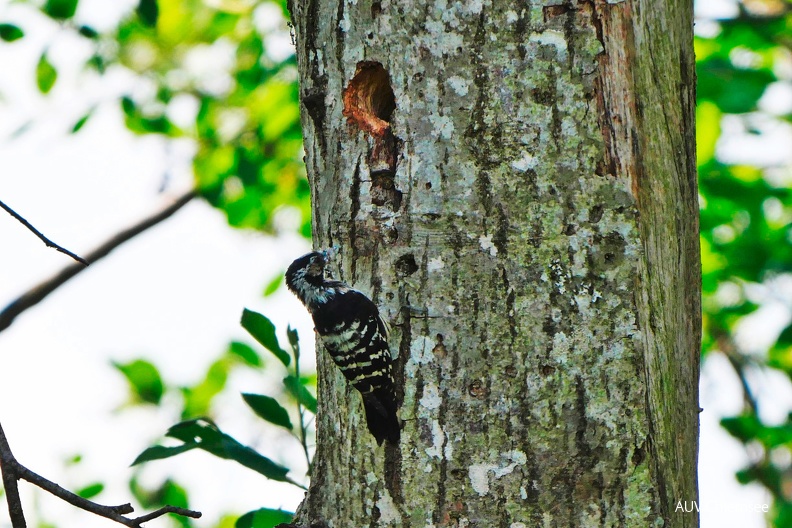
x=308, y=271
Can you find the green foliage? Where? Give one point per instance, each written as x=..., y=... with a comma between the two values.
x=263, y=331
x=746, y=221
x=202, y=433
x=46, y=74
x=205, y=435
x=245, y=353
x=246, y=128
x=269, y=409
x=263, y=518
x=144, y=380
x=298, y=390
x=167, y=493
x=91, y=491
x=81, y=122
x=148, y=12
x=88, y=32
x=10, y=32
x=273, y=285
x=60, y=9
x=248, y=161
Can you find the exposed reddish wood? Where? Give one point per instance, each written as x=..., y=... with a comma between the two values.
x=369, y=100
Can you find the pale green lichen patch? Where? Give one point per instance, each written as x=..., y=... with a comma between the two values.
x=480, y=474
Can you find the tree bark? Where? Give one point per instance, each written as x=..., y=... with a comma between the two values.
x=514, y=186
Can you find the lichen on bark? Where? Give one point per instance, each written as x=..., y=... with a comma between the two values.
x=513, y=266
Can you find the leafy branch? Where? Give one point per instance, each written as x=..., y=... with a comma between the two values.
x=13, y=471
x=204, y=434
x=263, y=331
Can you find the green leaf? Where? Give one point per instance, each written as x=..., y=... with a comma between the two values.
x=264, y=518
x=708, y=130
x=274, y=285
x=202, y=434
x=168, y=493
x=98, y=63
x=60, y=9
x=81, y=122
x=144, y=379
x=91, y=490
x=161, y=452
x=268, y=409
x=198, y=399
x=88, y=32
x=300, y=393
x=263, y=331
x=148, y=11
x=10, y=32
x=744, y=428
x=128, y=106
x=734, y=90
x=245, y=353
x=46, y=74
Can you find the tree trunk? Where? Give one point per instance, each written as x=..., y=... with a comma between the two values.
x=514, y=186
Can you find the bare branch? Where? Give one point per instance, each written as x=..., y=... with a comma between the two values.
x=39, y=292
x=13, y=470
x=162, y=511
x=38, y=233
x=8, y=469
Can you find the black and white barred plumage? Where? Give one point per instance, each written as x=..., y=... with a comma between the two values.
x=350, y=328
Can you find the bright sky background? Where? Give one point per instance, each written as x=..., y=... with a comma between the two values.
x=173, y=295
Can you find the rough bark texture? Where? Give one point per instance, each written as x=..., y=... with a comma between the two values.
x=526, y=218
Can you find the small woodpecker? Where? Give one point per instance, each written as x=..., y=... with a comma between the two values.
x=352, y=331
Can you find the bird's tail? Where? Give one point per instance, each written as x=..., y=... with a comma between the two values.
x=381, y=417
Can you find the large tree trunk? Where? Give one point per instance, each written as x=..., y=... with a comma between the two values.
x=514, y=186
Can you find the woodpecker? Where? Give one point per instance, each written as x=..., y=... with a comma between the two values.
x=352, y=331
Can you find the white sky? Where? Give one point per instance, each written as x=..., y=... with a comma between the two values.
x=173, y=295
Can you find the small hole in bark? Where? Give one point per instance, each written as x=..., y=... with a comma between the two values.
x=439, y=349
x=370, y=36
x=428, y=186
x=595, y=215
x=391, y=235
x=368, y=99
x=405, y=265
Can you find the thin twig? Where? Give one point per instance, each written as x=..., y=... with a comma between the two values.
x=39, y=234
x=13, y=470
x=737, y=361
x=39, y=292
x=300, y=410
x=162, y=511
